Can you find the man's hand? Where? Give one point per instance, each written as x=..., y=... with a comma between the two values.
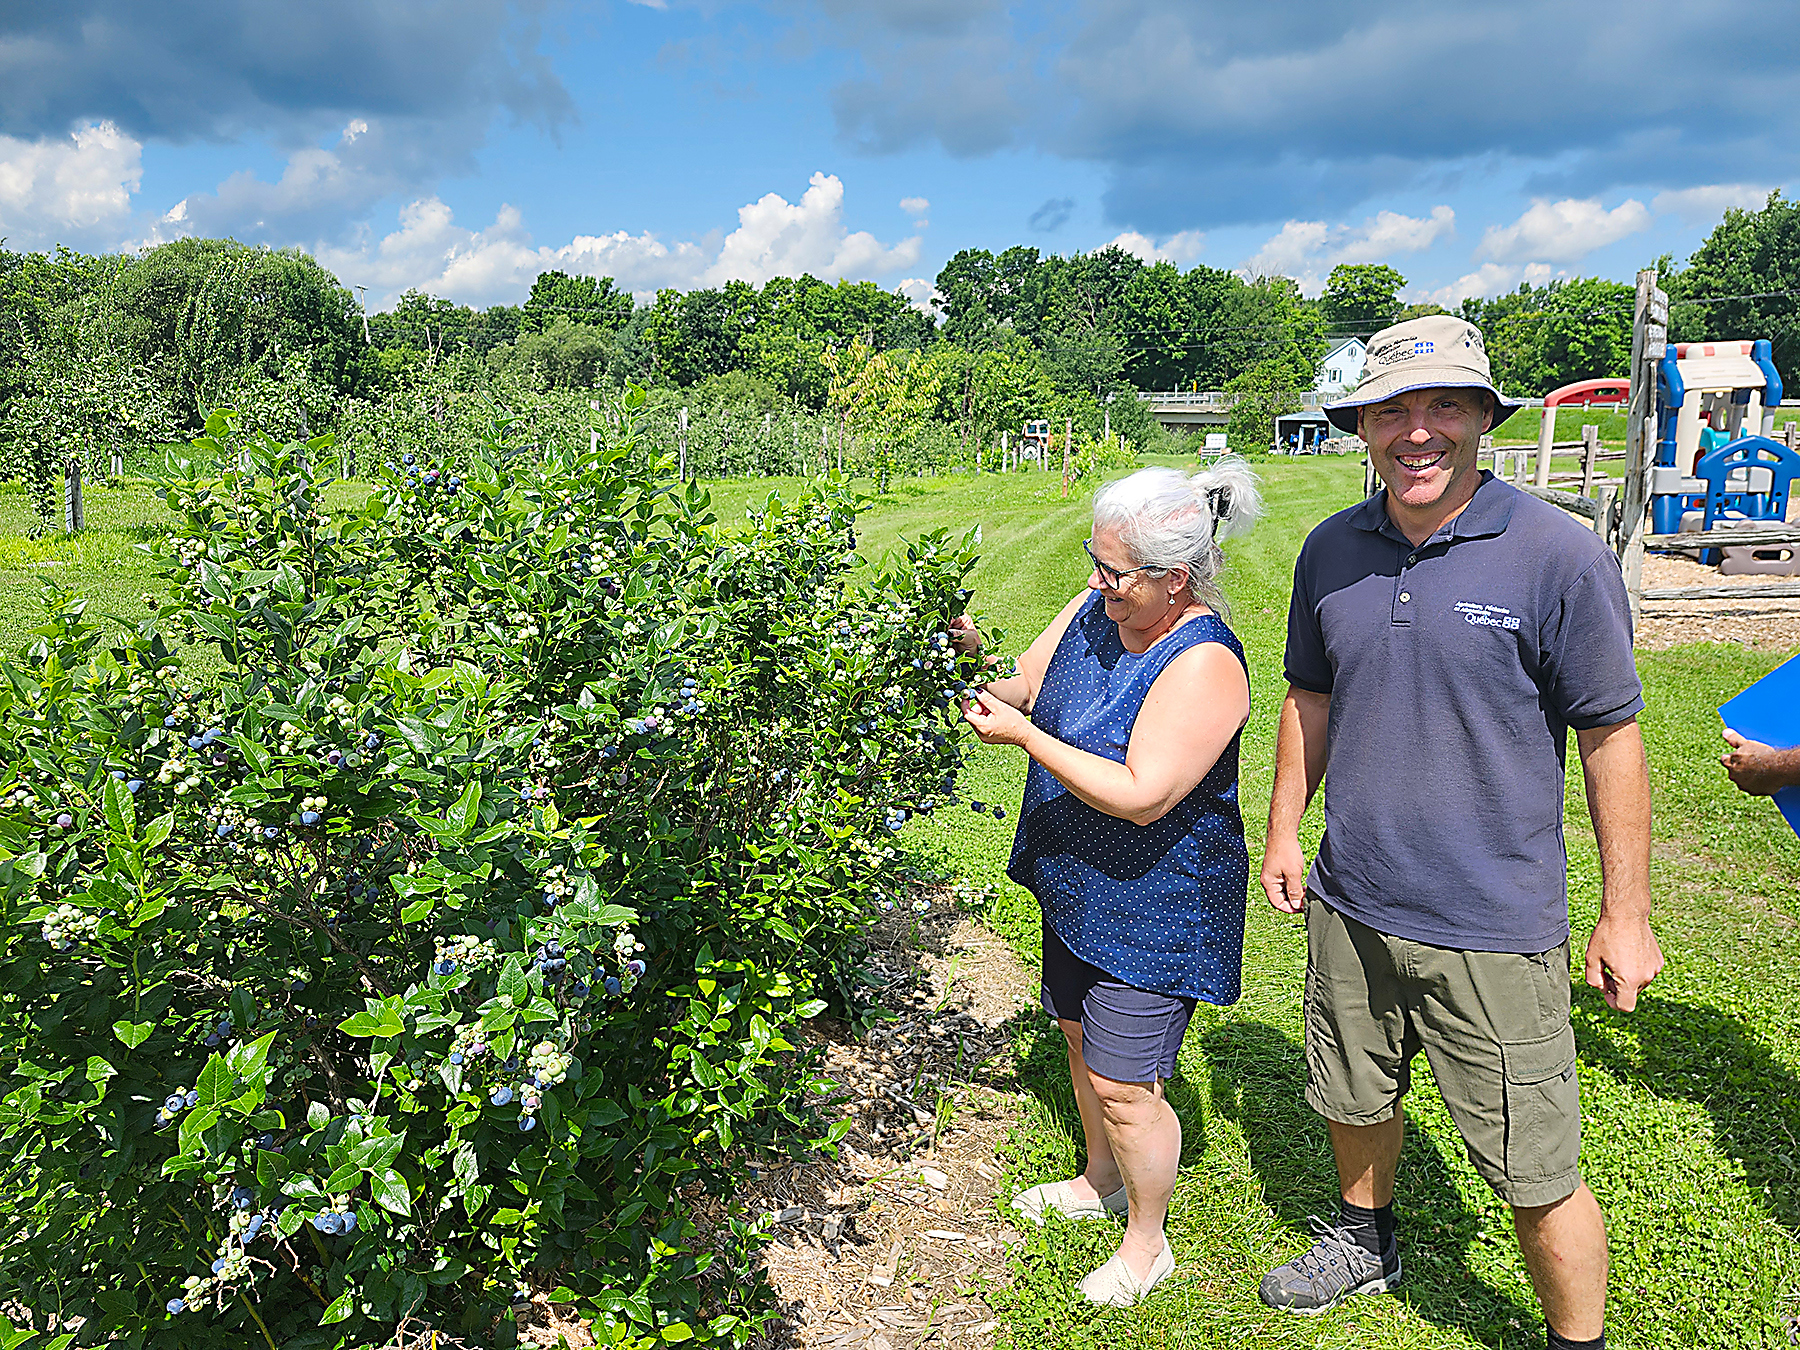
x=1757, y=768
x=1622, y=958
x=1284, y=874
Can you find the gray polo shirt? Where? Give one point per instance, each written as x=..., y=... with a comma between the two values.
x=1455, y=670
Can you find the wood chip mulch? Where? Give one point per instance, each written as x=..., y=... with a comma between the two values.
x=890, y=1245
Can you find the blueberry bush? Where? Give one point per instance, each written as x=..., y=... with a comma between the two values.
x=418, y=908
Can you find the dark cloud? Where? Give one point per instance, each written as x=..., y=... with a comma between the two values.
x=1052, y=215
x=181, y=70
x=1212, y=113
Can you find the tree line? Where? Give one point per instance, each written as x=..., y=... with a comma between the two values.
x=133, y=350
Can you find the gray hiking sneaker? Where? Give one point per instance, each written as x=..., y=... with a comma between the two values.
x=1334, y=1268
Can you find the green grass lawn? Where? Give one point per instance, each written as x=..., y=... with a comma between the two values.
x=1692, y=1104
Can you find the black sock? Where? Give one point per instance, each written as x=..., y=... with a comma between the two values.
x=1564, y=1343
x=1373, y=1229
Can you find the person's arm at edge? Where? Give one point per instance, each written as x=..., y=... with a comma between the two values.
x=1622, y=955
x=1299, y=769
x=1759, y=769
x=1021, y=690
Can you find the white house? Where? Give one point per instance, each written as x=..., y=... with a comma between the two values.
x=1342, y=366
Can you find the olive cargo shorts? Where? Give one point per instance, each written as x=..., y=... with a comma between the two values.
x=1494, y=1027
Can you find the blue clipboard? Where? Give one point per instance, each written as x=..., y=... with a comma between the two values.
x=1769, y=711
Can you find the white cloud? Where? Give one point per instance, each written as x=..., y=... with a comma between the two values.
x=66, y=184
x=774, y=238
x=1707, y=205
x=915, y=206
x=1564, y=231
x=1309, y=249
x=921, y=293
x=1177, y=248
x=1490, y=279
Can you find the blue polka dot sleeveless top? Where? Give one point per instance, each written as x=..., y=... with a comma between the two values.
x=1160, y=906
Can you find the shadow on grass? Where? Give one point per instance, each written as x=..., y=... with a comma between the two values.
x=1691, y=1052
x=1258, y=1080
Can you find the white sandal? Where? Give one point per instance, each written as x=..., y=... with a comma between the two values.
x=1114, y=1286
x=1060, y=1196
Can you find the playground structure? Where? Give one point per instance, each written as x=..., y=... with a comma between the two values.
x=1707, y=471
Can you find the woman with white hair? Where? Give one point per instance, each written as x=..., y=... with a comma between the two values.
x=1130, y=706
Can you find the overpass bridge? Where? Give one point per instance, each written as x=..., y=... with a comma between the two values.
x=1189, y=411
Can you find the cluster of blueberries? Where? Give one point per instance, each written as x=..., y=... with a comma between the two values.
x=982, y=809
x=132, y=785
x=175, y=1103
x=690, y=695
x=430, y=477
x=334, y=1223
x=218, y=1033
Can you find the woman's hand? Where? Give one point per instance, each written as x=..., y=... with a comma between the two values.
x=996, y=722
x=964, y=635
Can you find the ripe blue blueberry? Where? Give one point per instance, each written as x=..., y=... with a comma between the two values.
x=174, y=1102
x=169, y=721
x=253, y=1228
x=456, y=1057
x=222, y=829
x=309, y=817
x=218, y=1265
x=979, y=808
x=118, y=775
x=211, y=734
x=501, y=1096
x=408, y=459
x=176, y=1305
x=333, y=756
x=527, y=1124
x=445, y=967
x=347, y=1224
x=637, y=968
x=613, y=986
x=193, y=1095
x=242, y=1197
x=134, y=786
x=371, y=741
x=999, y=813
x=64, y=821
x=194, y=742
x=271, y=831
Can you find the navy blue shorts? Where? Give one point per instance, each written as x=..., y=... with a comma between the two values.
x=1129, y=1035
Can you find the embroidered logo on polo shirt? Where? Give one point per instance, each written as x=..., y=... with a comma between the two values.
x=1486, y=616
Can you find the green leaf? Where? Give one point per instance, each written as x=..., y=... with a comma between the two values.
x=390, y=1192
x=380, y=1020
x=341, y=1307
x=343, y=1179
x=217, y=1084
x=120, y=813
x=159, y=830
x=678, y=1331
x=463, y=815
x=98, y=1070
x=317, y=1115
x=417, y=910
x=131, y=1035
x=512, y=979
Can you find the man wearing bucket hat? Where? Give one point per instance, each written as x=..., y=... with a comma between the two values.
x=1443, y=637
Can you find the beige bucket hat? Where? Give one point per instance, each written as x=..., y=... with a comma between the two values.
x=1439, y=351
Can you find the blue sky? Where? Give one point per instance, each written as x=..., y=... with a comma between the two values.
x=465, y=145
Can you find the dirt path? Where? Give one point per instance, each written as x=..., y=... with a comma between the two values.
x=887, y=1246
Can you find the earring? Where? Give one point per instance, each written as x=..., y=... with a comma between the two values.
x=1171, y=599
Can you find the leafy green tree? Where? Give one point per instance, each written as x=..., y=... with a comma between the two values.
x=565, y=355
x=593, y=301
x=1360, y=298
x=209, y=314
x=1268, y=389
x=1752, y=254
x=1541, y=337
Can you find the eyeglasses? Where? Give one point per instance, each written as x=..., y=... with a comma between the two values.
x=1110, y=577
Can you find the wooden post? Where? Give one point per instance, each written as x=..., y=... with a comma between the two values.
x=1603, y=511
x=1068, y=442
x=1106, y=423
x=1649, y=339
x=593, y=428
x=682, y=440
x=118, y=461
x=1590, y=448
x=1005, y=448
x=73, y=516
x=1546, y=440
